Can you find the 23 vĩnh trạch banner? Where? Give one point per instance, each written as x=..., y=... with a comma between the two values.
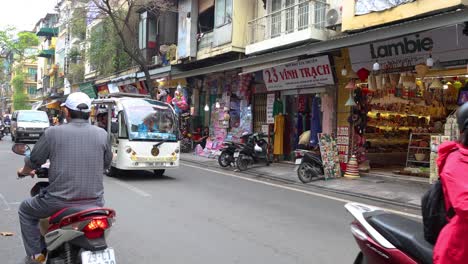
x=313, y=72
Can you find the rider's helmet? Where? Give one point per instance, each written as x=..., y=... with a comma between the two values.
x=462, y=117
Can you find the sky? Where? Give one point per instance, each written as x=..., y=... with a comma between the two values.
x=24, y=14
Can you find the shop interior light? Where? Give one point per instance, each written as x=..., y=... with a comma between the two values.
x=376, y=66
x=430, y=61
x=217, y=105
x=344, y=71
x=207, y=108
x=445, y=86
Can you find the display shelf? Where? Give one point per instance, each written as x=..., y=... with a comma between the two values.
x=374, y=112
x=428, y=148
x=416, y=161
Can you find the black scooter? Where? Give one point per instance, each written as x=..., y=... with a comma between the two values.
x=254, y=150
x=309, y=165
x=226, y=158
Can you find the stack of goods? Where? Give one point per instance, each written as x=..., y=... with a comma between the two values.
x=352, y=169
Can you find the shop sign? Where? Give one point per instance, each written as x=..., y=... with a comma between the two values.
x=269, y=108
x=307, y=73
x=363, y=7
x=88, y=89
x=448, y=45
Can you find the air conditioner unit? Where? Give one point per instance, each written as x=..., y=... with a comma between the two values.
x=156, y=60
x=333, y=16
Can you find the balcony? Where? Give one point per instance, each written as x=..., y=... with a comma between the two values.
x=303, y=21
x=48, y=53
x=48, y=32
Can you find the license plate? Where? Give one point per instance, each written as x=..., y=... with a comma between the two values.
x=33, y=135
x=298, y=161
x=106, y=256
x=236, y=154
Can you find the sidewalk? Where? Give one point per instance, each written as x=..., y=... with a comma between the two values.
x=395, y=190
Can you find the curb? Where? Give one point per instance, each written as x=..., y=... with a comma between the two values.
x=312, y=186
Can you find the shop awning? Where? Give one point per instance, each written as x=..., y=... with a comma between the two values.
x=48, y=32
x=155, y=73
x=88, y=88
x=46, y=53
x=260, y=67
x=378, y=34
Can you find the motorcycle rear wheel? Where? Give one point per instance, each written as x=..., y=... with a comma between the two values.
x=242, y=162
x=224, y=159
x=307, y=172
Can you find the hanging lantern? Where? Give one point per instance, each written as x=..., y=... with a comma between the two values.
x=436, y=84
x=351, y=85
x=350, y=101
x=421, y=70
x=430, y=61
x=376, y=66
x=457, y=84
x=352, y=75
x=207, y=108
x=344, y=71
x=217, y=105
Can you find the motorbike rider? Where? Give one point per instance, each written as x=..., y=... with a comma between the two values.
x=78, y=153
x=452, y=245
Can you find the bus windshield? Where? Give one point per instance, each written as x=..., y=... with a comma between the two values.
x=150, y=120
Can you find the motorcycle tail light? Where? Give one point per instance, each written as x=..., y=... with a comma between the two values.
x=95, y=228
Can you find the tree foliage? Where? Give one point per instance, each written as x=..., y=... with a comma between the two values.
x=20, y=98
x=124, y=20
x=105, y=50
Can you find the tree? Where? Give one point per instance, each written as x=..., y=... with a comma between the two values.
x=122, y=14
x=105, y=51
x=23, y=47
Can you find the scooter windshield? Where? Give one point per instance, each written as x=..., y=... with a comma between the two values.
x=150, y=120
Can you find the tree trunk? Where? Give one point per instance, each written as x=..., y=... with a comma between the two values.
x=149, y=83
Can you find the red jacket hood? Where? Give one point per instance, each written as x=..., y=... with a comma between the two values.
x=448, y=147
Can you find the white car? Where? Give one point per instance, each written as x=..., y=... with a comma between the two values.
x=28, y=125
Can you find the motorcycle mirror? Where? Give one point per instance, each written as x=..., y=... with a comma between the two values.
x=21, y=149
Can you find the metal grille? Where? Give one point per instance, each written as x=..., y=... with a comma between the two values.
x=303, y=15
x=260, y=116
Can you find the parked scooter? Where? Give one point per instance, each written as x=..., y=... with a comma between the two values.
x=75, y=234
x=385, y=237
x=2, y=130
x=253, y=151
x=226, y=158
x=308, y=165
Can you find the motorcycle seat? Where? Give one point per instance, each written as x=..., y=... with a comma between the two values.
x=58, y=216
x=405, y=234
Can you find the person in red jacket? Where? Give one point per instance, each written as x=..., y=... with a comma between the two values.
x=452, y=244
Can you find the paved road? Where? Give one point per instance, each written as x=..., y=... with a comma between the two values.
x=197, y=216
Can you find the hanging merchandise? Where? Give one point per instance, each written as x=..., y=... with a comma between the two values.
x=277, y=107
x=279, y=135
x=363, y=73
x=301, y=103
x=315, y=125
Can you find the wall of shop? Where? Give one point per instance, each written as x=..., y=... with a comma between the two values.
x=343, y=111
x=352, y=22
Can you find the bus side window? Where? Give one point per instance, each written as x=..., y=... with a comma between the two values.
x=122, y=127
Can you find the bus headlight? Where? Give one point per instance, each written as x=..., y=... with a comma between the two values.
x=128, y=149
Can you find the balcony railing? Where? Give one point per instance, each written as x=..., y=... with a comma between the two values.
x=300, y=16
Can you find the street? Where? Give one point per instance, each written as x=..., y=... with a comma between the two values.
x=195, y=215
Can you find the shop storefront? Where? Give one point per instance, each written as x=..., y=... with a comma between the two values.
x=222, y=103
x=406, y=91
x=300, y=98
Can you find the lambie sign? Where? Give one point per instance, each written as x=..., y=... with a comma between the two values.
x=307, y=73
x=448, y=45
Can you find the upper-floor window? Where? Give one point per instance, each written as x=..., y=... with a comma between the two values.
x=223, y=12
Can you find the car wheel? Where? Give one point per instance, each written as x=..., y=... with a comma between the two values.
x=159, y=173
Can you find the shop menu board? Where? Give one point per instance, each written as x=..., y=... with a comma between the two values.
x=342, y=142
x=269, y=108
x=436, y=140
x=330, y=157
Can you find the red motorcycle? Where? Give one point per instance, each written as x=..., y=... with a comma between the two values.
x=385, y=237
x=73, y=235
